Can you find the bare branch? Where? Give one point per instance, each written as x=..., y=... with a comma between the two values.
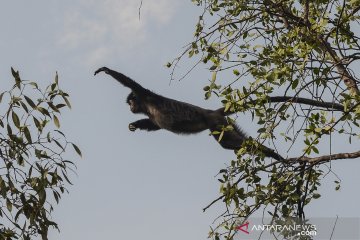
x=329, y=105
x=306, y=101
x=306, y=11
x=140, y=9
x=325, y=158
x=216, y=200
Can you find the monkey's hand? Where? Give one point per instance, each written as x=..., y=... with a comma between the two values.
x=132, y=127
x=103, y=69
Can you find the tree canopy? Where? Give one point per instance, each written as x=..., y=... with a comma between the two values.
x=34, y=166
x=291, y=65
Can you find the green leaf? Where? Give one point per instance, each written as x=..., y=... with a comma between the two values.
x=60, y=132
x=48, y=137
x=318, y=130
x=213, y=67
x=236, y=72
x=56, y=122
x=227, y=106
x=316, y=195
x=34, y=84
x=206, y=88
x=261, y=130
x=67, y=102
x=43, y=111
x=9, y=130
x=58, y=106
x=52, y=87
x=56, y=196
x=1, y=96
x=8, y=205
x=315, y=150
x=30, y=102
x=207, y=95
x=27, y=134
x=24, y=106
x=295, y=83
x=221, y=136
x=213, y=78
x=37, y=124
x=56, y=78
x=66, y=177
x=51, y=105
x=16, y=75
x=16, y=119
x=59, y=145
x=245, y=34
x=21, y=211
x=191, y=53
x=77, y=149
x=13, y=72
x=42, y=197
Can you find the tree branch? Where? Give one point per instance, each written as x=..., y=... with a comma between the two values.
x=306, y=101
x=140, y=9
x=345, y=75
x=218, y=199
x=331, y=105
x=314, y=160
x=306, y=11
x=325, y=157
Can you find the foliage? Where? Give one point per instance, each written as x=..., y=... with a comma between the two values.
x=33, y=168
x=291, y=65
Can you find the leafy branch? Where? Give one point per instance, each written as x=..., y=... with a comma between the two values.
x=34, y=169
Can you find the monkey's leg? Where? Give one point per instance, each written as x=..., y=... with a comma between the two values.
x=143, y=124
x=233, y=140
x=230, y=140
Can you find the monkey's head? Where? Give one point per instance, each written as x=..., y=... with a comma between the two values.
x=134, y=103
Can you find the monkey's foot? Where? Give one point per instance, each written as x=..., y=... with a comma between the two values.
x=103, y=69
x=132, y=127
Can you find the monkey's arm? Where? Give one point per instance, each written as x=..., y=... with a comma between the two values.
x=121, y=78
x=143, y=124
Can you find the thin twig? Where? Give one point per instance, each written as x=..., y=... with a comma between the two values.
x=325, y=157
x=311, y=102
x=208, y=206
x=140, y=9
x=332, y=232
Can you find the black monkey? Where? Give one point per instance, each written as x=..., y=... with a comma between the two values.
x=179, y=117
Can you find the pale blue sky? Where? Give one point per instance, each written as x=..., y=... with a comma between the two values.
x=131, y=185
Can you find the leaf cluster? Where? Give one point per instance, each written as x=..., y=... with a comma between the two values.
x=34, y=171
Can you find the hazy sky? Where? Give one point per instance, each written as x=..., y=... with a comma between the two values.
x=131, y=185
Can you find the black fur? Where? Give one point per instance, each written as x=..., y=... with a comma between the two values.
x=179, y=117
